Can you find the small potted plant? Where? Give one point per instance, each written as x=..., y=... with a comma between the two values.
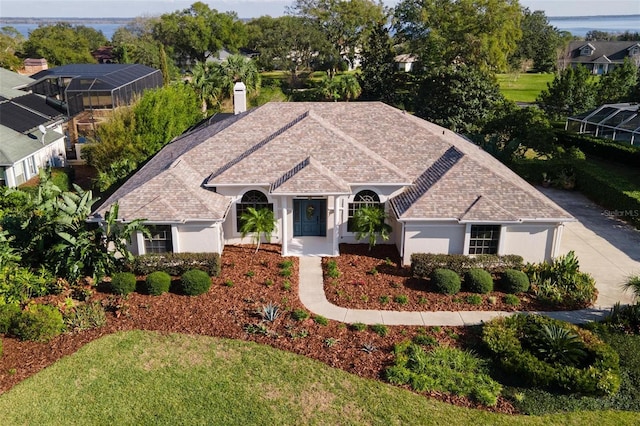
x=546, y=182
x=566, y=179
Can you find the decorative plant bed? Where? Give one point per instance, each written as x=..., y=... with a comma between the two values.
x=375, y=280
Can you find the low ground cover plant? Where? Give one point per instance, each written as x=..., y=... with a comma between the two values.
x=443, y=369
x=552, y=354
x=560, y=282
x=84, y=317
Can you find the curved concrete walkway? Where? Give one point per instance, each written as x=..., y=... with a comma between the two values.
x=606, y=248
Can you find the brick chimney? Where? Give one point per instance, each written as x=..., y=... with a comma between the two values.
x=239, y=98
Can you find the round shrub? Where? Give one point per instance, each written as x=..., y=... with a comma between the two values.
x=7, y=315
x=123, y=283
x=445, y=281
x=157, y=282
x=478, y=281
x=195, y=282
x=551, y=354
x=39, y=323
x=514, y=281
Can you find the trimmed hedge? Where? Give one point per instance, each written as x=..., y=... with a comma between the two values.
x=478, y=281
x=606, y=149
x=513, y=281
x=512, y=341
x=157, y=282
x=195, y=282
x=123, y=283
x=39, y=323
x=423, y=264
x=445, y=281
x=177, y=264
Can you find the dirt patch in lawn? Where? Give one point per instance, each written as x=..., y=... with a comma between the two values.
x=230, y=309
x=376, y=280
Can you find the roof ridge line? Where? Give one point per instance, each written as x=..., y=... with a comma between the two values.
x=426, y=180
x=289, y=174
x=257, y=146
x=357, y=144
x=490, y=201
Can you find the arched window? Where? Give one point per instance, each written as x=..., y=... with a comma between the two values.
x=363, y=198
x=253, y=198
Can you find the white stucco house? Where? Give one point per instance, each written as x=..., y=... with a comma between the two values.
x=315, y=164
x=24, y=147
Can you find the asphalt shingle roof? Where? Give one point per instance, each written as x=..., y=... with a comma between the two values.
x=327, y=148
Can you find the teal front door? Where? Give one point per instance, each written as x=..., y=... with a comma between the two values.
x=309, y=218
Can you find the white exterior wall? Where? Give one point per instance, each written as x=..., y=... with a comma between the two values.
x=436, y=237
x=534, y=242
x=231, y=234
x=197, y=238
x=44, y=157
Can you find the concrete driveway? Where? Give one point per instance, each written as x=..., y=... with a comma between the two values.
x=607, y=248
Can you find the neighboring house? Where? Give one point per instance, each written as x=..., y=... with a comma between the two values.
x=620, y=122
x=34, y=65
x=601, y=57
x=104, y=55
x=315, y=164
x=24, y=149
x=88, y=93
x=406, y=62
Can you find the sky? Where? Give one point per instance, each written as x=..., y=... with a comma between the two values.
x=255, y=8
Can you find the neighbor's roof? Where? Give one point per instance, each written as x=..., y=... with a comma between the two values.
x=20, y=114
x=309, y=148
x=97, y=76
x=604, y=51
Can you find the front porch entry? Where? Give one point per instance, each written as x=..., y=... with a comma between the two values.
x=310, y=218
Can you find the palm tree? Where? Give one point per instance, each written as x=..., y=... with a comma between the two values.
x=633, y=284
x=260, y=223
x=207, y=85
x=234, y=69
x=369, y=222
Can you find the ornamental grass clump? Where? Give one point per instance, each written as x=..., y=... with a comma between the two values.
x=445, y=281
x=443, y=369
x=478, y=280
x=195, y=282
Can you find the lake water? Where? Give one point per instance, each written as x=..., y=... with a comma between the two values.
x=580, y=25
x=576, y=25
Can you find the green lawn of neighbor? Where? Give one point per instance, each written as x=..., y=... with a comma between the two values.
x=522, y=87
x=146, y=378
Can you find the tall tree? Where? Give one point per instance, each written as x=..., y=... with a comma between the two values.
x=11, y=42
x=59, y=44
x=205, y=82
x=377, y=78
x=199, y=32
x=460, y=98
x=346, y=24
x=479, y=33
x=571, y=91
x=618, y=85
x=234, y=69
x=539, y=43
x=288, y=43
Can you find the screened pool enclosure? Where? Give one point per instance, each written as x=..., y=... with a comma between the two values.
x=619, y=122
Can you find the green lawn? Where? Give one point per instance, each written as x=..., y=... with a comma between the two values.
x=522, y=87
x=140, y=378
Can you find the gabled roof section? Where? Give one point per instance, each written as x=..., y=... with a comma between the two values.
x=425, y=181
x=602, y=60
x=483, y=208
x=155, y=179
x=615, y=51
x=309, y=177
x=256, y=147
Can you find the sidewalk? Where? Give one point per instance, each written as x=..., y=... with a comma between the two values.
x=606, y=248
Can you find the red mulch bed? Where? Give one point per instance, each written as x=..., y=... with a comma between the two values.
x=225, y=310
x=360, y=287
